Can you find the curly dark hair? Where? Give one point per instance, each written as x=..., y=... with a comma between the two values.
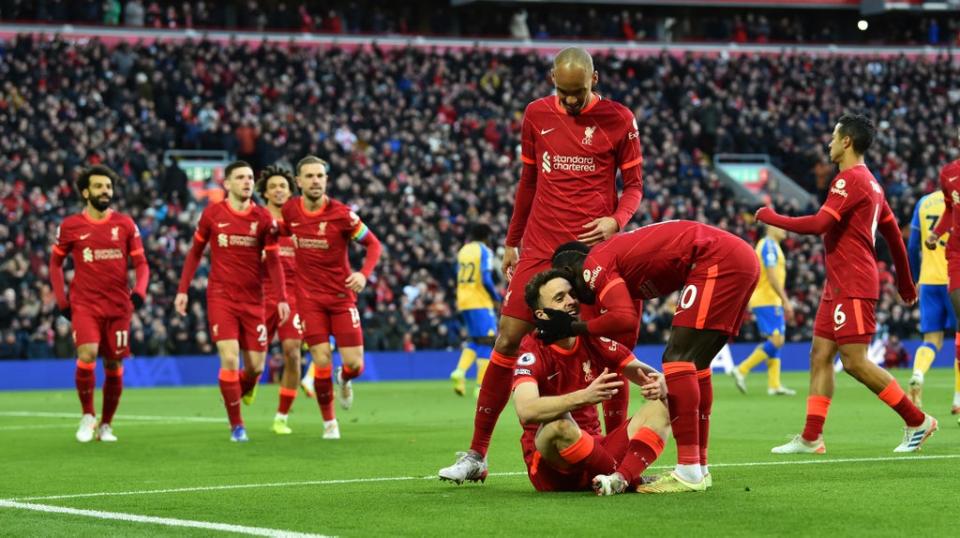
x=269, y=172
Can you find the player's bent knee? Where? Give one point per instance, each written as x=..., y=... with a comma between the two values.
x=776, y=340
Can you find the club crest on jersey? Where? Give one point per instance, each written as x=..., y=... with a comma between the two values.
x=588, y=135
x=253, y=228
x=322, y=228
x=222, y=240
x=587, y=372
x=115, y=233
x=88, y=255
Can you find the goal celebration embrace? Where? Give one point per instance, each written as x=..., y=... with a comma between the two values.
x=660, y=254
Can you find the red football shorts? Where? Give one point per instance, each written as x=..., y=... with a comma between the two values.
x=718, y=289
x=953, y=271
x=846, y=320
x=237, y=321
x=112, y=335
x=545, y=477
x=513, y=303
x=320, y=320
x=288, y=330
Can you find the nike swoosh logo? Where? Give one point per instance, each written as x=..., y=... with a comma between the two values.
x=838, y=327
x=546, y=131
x=553, y=375
x=223, y=224
x=949, y=179
x=294, y=224
x=84, y=236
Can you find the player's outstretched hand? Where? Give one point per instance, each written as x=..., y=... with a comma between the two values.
x=137, y=300
x=283, y=309
x=602, y=388
x=655, y=386
x=356, y=281
x=931, y=241
x=510, y=257
x=763, y=214
x=908, y=292
x=557, y=326
x=180, y=304
x=65, y=312
x=788, y=312
x=598, y=230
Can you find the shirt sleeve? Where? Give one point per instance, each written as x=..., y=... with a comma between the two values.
x=204, y=226
x=615, y=356
x=769, y=253
x=65, y=239
x=840, y=199
x=134, y=241
x=628, y=147
x=528, y=368
x=528, y=152
x=358, y=230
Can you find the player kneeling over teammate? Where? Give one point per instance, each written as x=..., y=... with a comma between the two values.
x=557, y=386
x=715, y=272
x=100, y=304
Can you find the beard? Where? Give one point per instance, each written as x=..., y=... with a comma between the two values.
x=101, y=203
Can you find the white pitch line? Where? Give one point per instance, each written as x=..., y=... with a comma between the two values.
x=124, y=423
x=434, y=477
x=40, y=414
x=165, y=521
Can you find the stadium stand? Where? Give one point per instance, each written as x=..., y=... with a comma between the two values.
x=421, y=143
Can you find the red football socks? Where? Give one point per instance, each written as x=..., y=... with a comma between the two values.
x=112, y=389
x=86, y=381
x=247, y=382
x=587, y=452
x=683, y=404
x=615, y=409
x=230, y=389
x=286, y=400
x=494, y=395
x=349, y=373
x=705, y=381
x=323, y=386
x=893, y=396
x=817, y=407
x=644, y=449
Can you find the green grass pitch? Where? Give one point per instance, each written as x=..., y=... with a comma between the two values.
x=378, y=479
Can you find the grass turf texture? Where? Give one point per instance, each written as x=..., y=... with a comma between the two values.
x=410, y=430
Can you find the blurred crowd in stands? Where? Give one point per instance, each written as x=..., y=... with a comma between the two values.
x=421, y=144
x=758, y=23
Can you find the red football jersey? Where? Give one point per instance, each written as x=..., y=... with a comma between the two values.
x=237, y=240
x=950, y=185
x=577, y=158
x=655, y=260
x=856, y=200
x=558, y=371
x=288, y=263
x=100, y=250
x=321, y=239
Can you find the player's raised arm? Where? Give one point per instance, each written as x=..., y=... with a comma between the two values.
x=894, y=237
x=61, y=249
x=200, y=238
